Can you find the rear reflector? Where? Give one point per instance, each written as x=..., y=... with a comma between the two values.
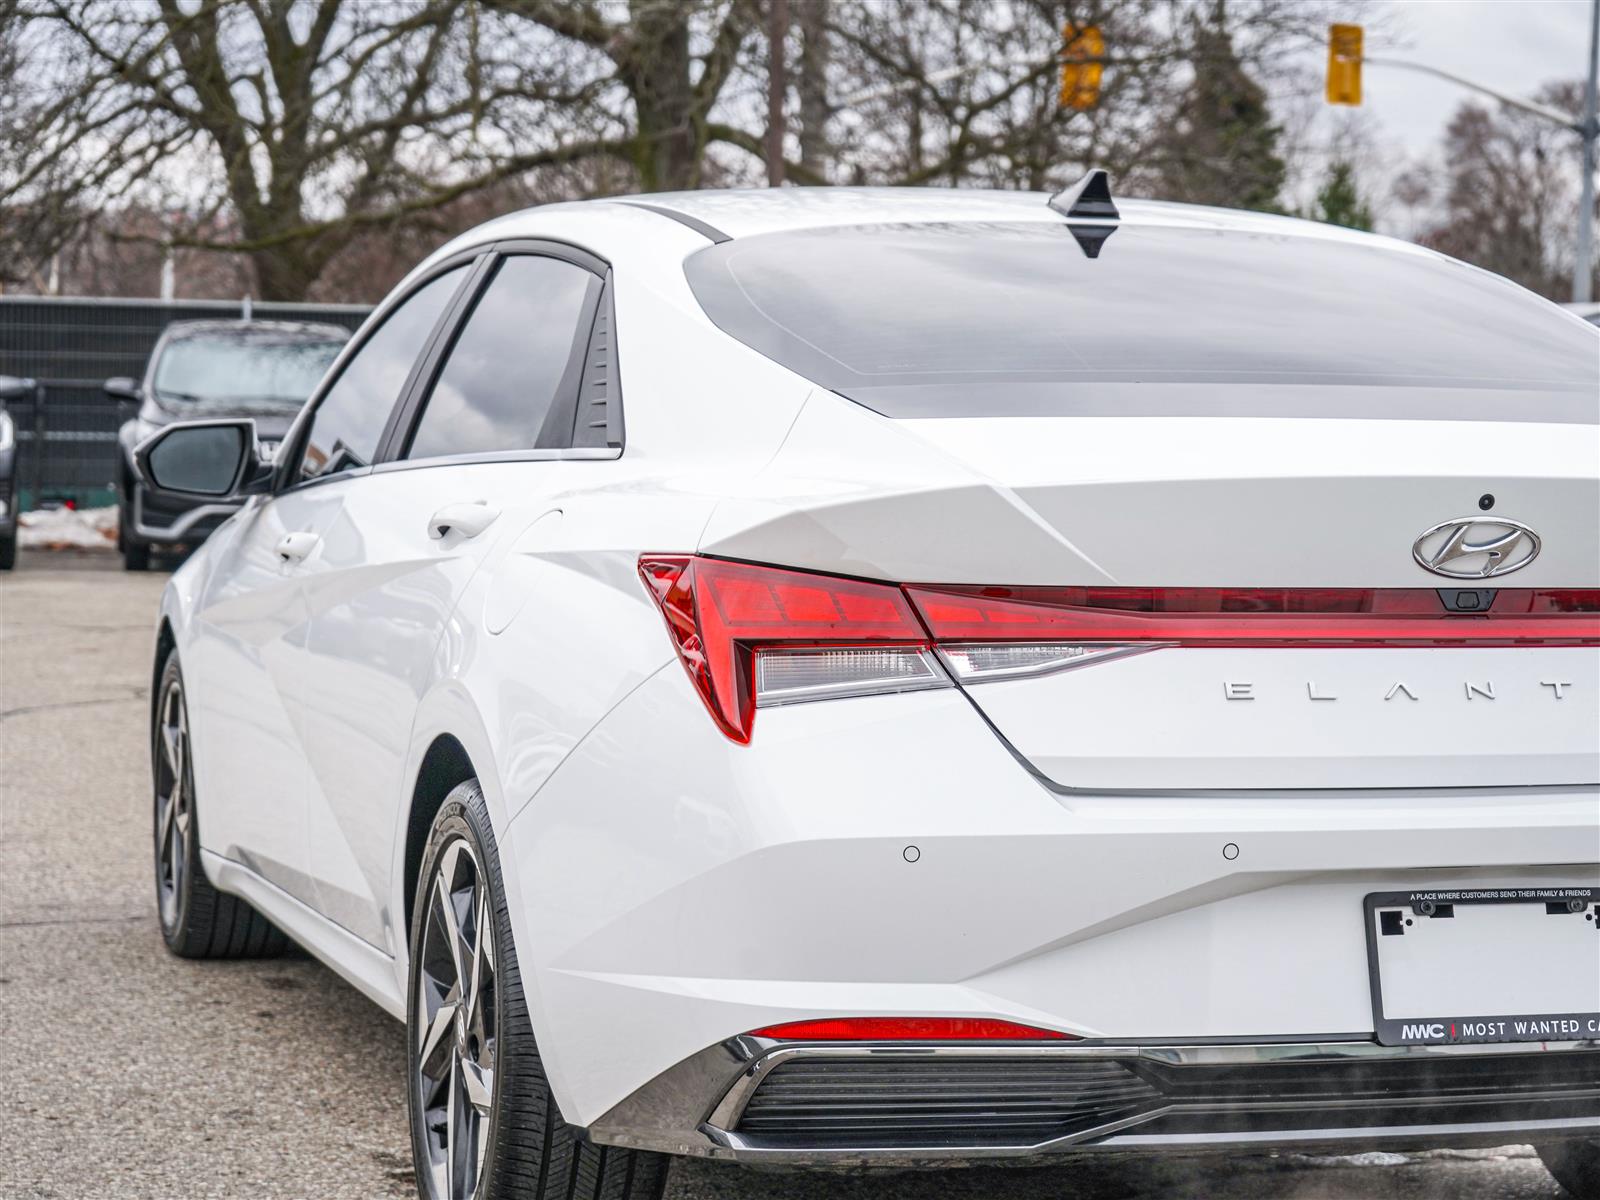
x=908, y=1029
x=753, y=636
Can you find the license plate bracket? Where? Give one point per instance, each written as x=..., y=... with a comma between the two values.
x=1482, y=965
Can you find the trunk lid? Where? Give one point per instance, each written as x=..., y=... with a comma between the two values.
x=1224, y=503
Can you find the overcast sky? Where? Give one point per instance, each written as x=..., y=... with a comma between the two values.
x=1512, y=45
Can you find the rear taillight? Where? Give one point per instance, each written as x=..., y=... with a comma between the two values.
x=753, y=636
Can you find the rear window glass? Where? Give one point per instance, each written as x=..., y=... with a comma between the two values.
x=1016, y=319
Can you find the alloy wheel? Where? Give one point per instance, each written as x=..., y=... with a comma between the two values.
x=173, y=803
x=454, y=1059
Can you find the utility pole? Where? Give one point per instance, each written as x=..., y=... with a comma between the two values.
x=1583, y=272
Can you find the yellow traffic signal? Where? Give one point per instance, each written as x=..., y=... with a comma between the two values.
x=1082, y=48
x=1344, y=64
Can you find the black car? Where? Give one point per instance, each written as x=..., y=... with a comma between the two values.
x=10, y=390
x=200, y=369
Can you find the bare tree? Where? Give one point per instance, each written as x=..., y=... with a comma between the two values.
x=815, y=110
x=777, y=89
x=308, y=121
x=999, y=122
x=1509, y=193
x=1413, y=187
x=294, y=132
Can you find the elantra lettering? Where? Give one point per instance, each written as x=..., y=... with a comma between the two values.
x=1477, y=690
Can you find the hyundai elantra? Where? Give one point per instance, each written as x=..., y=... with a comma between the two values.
x=837, y=677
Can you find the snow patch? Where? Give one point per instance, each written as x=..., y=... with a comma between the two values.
x=1374, y=1158
x=68, y=529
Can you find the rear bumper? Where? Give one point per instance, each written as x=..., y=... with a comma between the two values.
x=888, y=856
x=841, y=1105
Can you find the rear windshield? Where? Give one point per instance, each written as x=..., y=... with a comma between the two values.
x=1019, y=320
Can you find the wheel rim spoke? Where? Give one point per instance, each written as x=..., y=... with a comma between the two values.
x=436, y=1041
x=453, y=1138
x=481, y=952
x=477, y=1084
x=451, y=922
x=170, y=747
x=164, y=811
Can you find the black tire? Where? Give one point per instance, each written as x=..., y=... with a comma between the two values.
x=197, y=921
x=523, y=1148
x=135, y=555
x=1576, y=1166
x=8, y=550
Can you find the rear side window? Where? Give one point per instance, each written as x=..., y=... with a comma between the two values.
x=510, y=380
x=1015, y=319
x=349, y=422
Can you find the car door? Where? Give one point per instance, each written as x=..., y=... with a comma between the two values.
x=251, y=643
x=478, y=449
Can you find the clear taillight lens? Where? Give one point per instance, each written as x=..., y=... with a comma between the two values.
x=979, y=662
x=824, y=672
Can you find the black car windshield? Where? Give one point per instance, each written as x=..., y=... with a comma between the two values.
x=264, y=371
x=1019, y=319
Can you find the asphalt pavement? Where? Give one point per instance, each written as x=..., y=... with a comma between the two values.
x=127, y=1073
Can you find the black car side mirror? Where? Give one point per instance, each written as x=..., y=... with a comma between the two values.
x=12, y=388
x=218, y=460
x=120, y=387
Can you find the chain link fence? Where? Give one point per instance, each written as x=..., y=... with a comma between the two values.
x=67, y=441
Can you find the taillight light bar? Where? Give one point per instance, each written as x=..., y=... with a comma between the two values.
x=752, y=636
x=908, y=1029
x=1282, y=617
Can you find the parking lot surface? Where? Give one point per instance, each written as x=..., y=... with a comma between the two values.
x=125, y=1072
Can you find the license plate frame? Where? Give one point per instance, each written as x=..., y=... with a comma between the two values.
x=1476, y=1028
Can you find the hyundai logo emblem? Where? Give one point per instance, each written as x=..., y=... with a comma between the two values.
x=1476, y=547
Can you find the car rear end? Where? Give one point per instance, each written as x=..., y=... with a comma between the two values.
x=1148, y=701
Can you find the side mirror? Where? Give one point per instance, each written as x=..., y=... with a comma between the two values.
x=12, y=388
x=218, y=460
x=120, y=387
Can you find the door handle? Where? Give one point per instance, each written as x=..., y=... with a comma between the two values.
x=295, y=546
x=469, y=520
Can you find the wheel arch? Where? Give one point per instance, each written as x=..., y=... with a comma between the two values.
x=444, y=766
x=166, y=642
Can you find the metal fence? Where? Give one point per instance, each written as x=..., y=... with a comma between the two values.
x=67, y=446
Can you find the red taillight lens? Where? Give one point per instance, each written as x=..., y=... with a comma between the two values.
x=908, y=1029
x=749, y=634
x=1302, y=617
x=722, y=613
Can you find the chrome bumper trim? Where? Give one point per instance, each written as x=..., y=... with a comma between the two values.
x=694, y=1108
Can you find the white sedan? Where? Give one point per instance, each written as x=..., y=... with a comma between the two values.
x=850, y=677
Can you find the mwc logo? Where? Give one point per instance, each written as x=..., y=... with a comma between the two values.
x=1434, y=1032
